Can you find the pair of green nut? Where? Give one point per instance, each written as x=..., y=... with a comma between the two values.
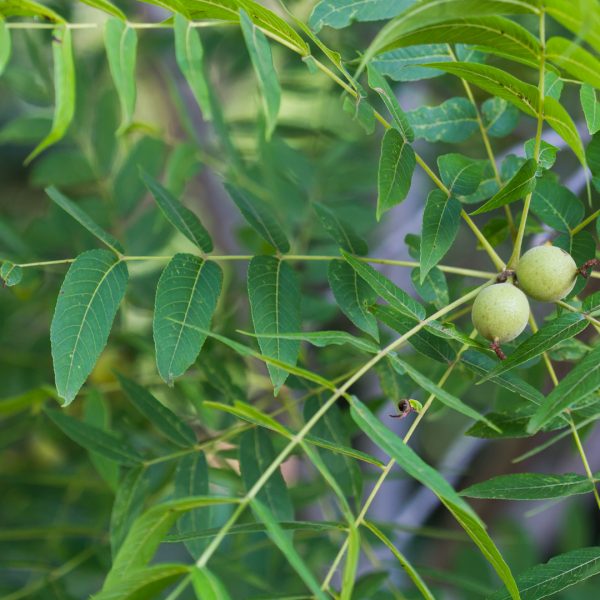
x=501, y=311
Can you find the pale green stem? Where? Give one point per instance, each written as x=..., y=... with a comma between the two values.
x=585, y=223
x=298, y=437
x=589, y=318
x=516, y=254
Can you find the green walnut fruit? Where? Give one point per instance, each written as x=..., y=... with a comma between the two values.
x=500, y=312
x=546, y=273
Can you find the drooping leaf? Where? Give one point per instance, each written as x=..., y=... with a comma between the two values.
x=274, y=295
x=260, y=55
x=83, y=218
x=500, y=117
x=353, y=295
x=379, y=84
x=64, y=90
x=396, y=165
x=360, y=110
x=556, y=205
x=187, y=294
x=414, y=466
x=28, y=8
x=383, y=287
x=87, y=304
x=529, y=486
x=182, y=218
x=521, y=184
x=256, y=453
x=453, y=121
x=557, y=574
x=591, y=107
x=403, y=64
x=582, y=18
x=441, y=221
x=167, y=422
x=260, y=217
x=574, y=59
x=191, y=479
x=120, y=41
x=190, y=59
x=107, y=7
x=351, y=564
x=341, y=231
x=575, y=387
x=95, y=439
x=562, y=328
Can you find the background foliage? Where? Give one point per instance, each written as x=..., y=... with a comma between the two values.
x=236, y=239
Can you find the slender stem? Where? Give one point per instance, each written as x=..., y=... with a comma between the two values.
x=339, y=392
x=498, y=262
x=46, y=263
x=516, y=254
x=585, y=222
x=589, y=318
x=388, y=467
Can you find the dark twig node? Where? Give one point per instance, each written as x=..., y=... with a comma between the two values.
x=504, y=275
x=404, y=408
x=587, y=267
x=495, y=346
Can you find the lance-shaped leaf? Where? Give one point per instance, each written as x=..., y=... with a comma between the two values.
x=262, y=61
x=441, y=221
x=521, y=184
x=260, y=217
x=353, y=295
x=396, y=165
x=562, y=328
x=107, y=7
x=187, y=294
x=529, y=486
x=388, y=291
x=120, y=41
x=379, y=84
x=274, y=295
x=95, y=439
x=574, y=59
x=417, y=468
x=582, y=381
x=339, y=14
x=591, y=108
x=256, y=453
x=167, y=422
x=87, y=304
x=29, y=8
x=189, y=53
x=557, y=574
x=64, y=90
x=191, y=479
x=5, y=45
x=84, y=219
x=580, y=18
x=453, y=121
x=342, y=232
x=208, y=586
x=182, y=218
x=403, y=64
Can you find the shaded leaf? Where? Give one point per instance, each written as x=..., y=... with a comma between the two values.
x=5, y=45
x=10, y=274
x=207, y=585
x=574, y=59
x=453, y=121
x=339, y=14
x=500, y=117
x=107, y=7
x=591, y=107
x=403, y=64
x=460, y=174
x=341, y=232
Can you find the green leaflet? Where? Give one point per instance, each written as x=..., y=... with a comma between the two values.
x=107, y=7
x=351, y=564
x=441, y=220
x=521, y=184
x=529, y=486
x=87, y=304
x=28, y=8
x=339, y=14
x=187, y=294
x=573, y=59
x=461, y=174
x=260, y=55
x=121, y=49
x=189, y=53
x=5, y=45
x=64, y=90
x=581, y=17
x=256, y=453
x=403, y=64
x=260, y=217
x=582, y=381
x=562, y=328
x=182, y=218
x=207, y=585
x=383, y=287
x=10, y=274
x=84, y=219
x=165, y=421
x=455, y=120
x=557, y=574
x=500, y=117
x=547, y=154
x=434, y=288
x=274, y=295
x=95, y=439
x=415, y=467
x=396, y=165
x=591, y=108
x=341, y=231
x=556, y=205
x=353, y=295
